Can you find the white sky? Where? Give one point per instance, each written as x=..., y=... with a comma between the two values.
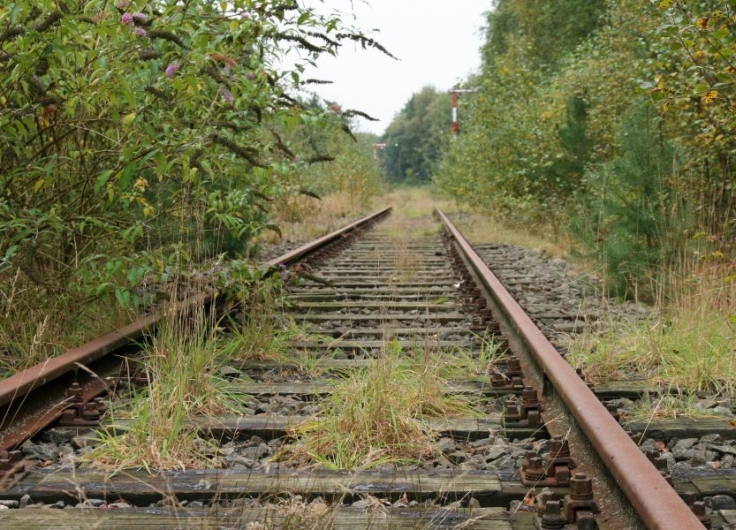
x=437, y=43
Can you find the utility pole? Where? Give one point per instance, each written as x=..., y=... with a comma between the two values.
x=455, y=92
x=376, y=148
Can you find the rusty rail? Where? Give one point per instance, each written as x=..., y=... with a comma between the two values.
x=26, y=406
x=308, y=249
x=656, y=502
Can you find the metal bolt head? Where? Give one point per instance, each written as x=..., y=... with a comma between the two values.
x=534, y=469
x=499, y=380
x=552, y=518
x=512, y=412
x=690, y=497
x=529, y=396
x=533, y=418
x=698, y=509
x=581, y=487
x=514, y=365
x=558, y=447
x=75, y=391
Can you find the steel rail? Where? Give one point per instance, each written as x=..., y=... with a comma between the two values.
x=657, y=503
x=305, y=250
x=14, y=390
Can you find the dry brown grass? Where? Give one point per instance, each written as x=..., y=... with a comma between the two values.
x=35, y=326
x=476, y=227
x=689, y=344
x=307, y=218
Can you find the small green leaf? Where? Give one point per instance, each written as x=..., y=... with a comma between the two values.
x=122, y=296
x=10, y=251
x=126, y=176
x=102, y=180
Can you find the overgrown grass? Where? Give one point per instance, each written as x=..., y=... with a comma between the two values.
x=690, y=345
x=35, y=326
x=378, y=414
x=258, y=332
x=305, y=218
x=181, y=364
x=463, y=363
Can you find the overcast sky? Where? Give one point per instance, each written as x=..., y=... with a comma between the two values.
x=436, y=42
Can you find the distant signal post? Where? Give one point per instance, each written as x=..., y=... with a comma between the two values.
x=376, y=148
x=455, y=92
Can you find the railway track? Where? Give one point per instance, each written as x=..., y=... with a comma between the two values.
x=411, y=290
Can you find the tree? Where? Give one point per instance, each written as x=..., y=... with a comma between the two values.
x=132, y=130
x=549, y=28
x=417, y=136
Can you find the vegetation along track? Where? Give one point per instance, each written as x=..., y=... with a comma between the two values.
x=399, y=406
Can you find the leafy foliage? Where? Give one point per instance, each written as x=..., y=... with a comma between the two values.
x=633, y=211
x=140, y=135
x=549, y=29
x=550, y=133
x=416, y=137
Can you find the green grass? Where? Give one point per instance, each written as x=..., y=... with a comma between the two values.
x=689, y=345
x=35, y=327
x=261, y=332
x=691, y=353
x=378, y=415
x=482, y=363
x=181, y=363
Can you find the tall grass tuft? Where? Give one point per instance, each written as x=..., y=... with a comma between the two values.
x=690, y=345
x=181, y=363
x=257, y=333
x=378, y=415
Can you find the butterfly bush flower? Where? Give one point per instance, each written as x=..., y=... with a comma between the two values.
x=127, y=19
x=172, y=69
x=226, y=95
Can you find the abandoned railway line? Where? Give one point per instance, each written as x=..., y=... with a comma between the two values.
x=537, y=447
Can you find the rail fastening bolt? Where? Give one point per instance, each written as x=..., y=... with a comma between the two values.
x=513, y=365
x=581, y=487
x=534, y=469
x=559, y=448
x=690, y=497
x=529, y=396
x=552, y=518
x=698, y=509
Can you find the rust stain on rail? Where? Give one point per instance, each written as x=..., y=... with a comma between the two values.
x=652, y=497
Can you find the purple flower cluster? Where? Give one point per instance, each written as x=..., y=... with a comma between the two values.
x=141, y=32
x=140, y=17
x=226, y=94
x=172, y=69
x=127, y=19
x=123, y=4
